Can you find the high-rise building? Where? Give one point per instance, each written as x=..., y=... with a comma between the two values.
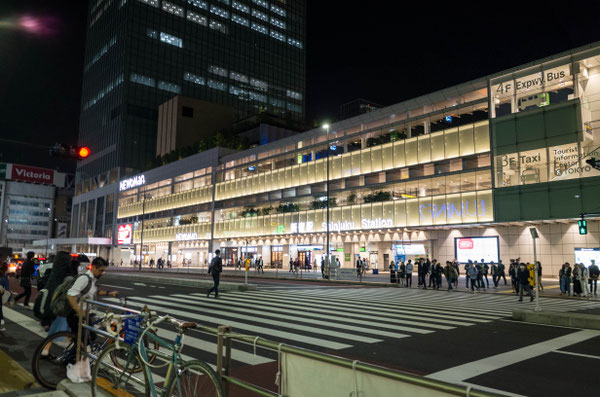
x=247, y=54
x=140, y=53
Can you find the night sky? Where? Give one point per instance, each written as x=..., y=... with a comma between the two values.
x=354, y=50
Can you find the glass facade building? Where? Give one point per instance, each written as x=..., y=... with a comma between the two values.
x=140, y=53
x=489, y=158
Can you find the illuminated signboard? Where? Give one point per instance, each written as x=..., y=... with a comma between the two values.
x=130, y=183
x=186, y=236
x=476, y=249
x=125, y=234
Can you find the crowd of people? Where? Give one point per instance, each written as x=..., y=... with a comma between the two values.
x=584, y=279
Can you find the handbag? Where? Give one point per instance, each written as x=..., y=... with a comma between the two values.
x=80, y=371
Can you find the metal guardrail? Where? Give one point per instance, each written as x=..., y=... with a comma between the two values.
x=225, y=337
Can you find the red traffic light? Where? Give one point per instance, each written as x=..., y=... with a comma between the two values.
x=84, y=152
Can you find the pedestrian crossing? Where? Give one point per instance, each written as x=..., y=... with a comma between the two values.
x=332, y=319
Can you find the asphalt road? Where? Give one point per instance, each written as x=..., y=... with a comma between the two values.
x=458, y=337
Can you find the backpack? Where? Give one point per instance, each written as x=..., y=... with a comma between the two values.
x=40, y=308
x=60, y=305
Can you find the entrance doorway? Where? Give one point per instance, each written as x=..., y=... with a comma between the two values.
x=302, y=257
x=276, y=258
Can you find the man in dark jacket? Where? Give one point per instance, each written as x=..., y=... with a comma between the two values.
x=27, y=271
x=215, y=269
x=523, y=279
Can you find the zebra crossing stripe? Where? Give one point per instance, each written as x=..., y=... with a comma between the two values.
x=207, y=305
x=407, y=306
x=296, y=337
x=345, y=314
x=243, y=307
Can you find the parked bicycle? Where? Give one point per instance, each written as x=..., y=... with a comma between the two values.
x=183, y=378
x=55, y=352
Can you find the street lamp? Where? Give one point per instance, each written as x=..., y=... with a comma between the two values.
x=327, y=266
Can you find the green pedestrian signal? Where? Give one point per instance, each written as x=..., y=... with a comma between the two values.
x=582, y=226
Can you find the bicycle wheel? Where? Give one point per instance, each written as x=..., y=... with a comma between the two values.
x=118, y=361
x=117, y=379
x=50, y=369
x=195, y=378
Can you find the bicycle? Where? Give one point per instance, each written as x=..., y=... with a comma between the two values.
x=191, y=378
x=49, y=369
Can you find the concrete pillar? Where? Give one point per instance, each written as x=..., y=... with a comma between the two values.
x=427, y=126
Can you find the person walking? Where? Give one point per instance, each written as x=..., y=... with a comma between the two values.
x=539, y=273
x=486, y=270
x=593, y=281
x=425, y=267
x=472, y=277
x=501, y=271
x=467, y=278
x=358, y=266
x=215, y=268
x=479, y=267
x=27, y=271
x=401, y=273
x=495, y=275
x=392, y=268
x=577, y=280
x=5, y=294
x=523, y=276
x=409, y=270
x=512, y=271
x=457, y=272
x=585, y=277
x=565, y=279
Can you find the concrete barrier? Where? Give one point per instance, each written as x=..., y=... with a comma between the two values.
x=564, y=319
x=188, y=282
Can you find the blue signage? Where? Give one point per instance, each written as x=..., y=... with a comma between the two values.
x=449, y=119
x=132, y=330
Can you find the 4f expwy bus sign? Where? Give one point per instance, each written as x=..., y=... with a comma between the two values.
x=130, y=183
x=532, y=82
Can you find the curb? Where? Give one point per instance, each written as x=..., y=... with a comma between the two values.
x=573, y=320
x=223, y=286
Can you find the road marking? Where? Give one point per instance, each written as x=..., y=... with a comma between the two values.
x=140, y=284
x=31, y=324
x=577, y=354
x=114, y=286
x=475, y=368
x=296, y=337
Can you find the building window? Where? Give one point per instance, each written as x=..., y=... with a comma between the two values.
x=187, y=111
x=259, y=28
x=172, y=40
x=172, y=8
x=153, y=34
x=144, y=80
x=276, y=35
x=164, y=85
x=258, y=97
x=100, y=53
x=194, y=78
x=199, y=4
x=278, y=23
x=277, y=103
x=238, y=77
x=294, y=94
x=114, y=84
x=194, y=17
x=224, y=1
x=218, y=70
x=153, y=3
x=261, y=85
x=217, y=85
x=241, y=7
x=277, y=10
x=262, y=3
x=260, y=15
x=218, y=26
x=242, y=21
x=294, y=107
x=294, y=42
x=219, y=11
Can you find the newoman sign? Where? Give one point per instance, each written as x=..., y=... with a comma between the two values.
x=130, y=183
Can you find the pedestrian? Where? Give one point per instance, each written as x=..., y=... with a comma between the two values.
x=322, y=266
x=429, y=270
x=409, y=270
x=27, y=271
x=486, y=269
x=5, y=294
x=291, y=265
x=585, y=277
x=479, y=267
x=467, y=278
x=512, y=271
x=565, y=279
x=594, y=274
x=259, y=265
x=523, y=277
x=495, y=275
x=358, y=266
x=539, y=273
x=438, y=275
x=577, y=280
x=472, y=276
x=392, y=268
x=457, y=269
x=449, y=272
x=501, y=271
x=401, y=273
x=215, y=268
x=425, y=267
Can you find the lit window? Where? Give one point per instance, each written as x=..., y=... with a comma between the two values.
x=294, y=94
x=218, y=26
x=275, y=34
x=241, y=7
x=278, y=10
x=257, y=97
x=217, y=85
x=195, y=17
x=164, y=85
x=277, y=103
x=261, y=85
x=194, y=78
x=153, y=34
x=218, y=70
x=113, y=84
x=262, y=3
x=144, y=80
x=294, y=107
x=172, y=40
x=294, y=42
x=199, y=4
x=153, y=3
x=172, y=8
x=239, y=77
x=278, y=23
x=237, y=19
x=259, y=28
x=237, y=91
x=101, y=53
x=219, y=11
x=260, y=15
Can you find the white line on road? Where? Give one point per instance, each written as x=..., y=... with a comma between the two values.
x=114, y=286
x=577, y=354
x=475, y=368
